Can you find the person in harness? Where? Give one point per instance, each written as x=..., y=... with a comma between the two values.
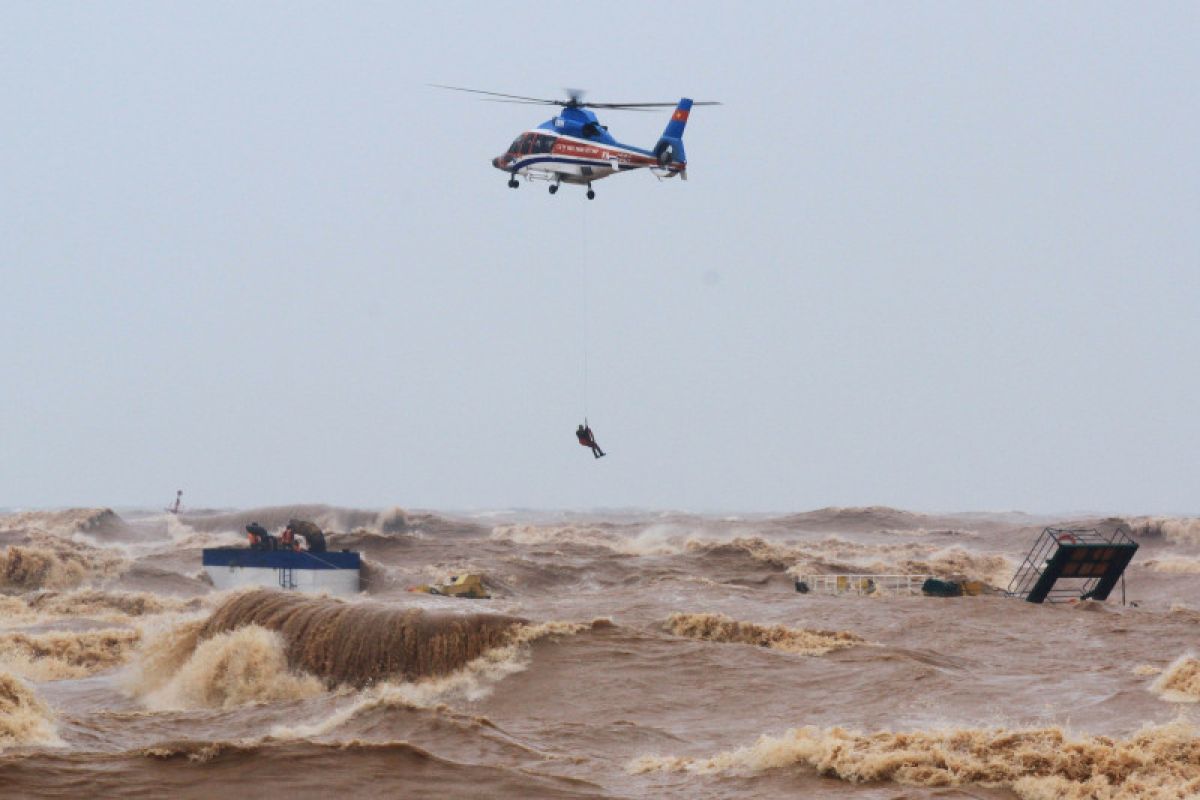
x=260, y=538
x=588, y=439
x=311, y=533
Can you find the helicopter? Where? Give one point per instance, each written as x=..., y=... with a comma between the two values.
x=575, y=148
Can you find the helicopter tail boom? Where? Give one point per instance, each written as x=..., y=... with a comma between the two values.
x=674, y=129
x=669, y=149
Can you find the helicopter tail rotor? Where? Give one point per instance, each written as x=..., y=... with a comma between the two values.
x=669, y=150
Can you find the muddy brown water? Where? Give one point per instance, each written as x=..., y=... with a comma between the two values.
x=624, y=655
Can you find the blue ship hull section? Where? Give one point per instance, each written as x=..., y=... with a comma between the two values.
x=279, y=559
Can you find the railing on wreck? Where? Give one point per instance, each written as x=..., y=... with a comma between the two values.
x=861, y=584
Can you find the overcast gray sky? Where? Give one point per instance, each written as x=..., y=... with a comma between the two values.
x=932, y=255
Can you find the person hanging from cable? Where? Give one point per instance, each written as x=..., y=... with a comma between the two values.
x=588, y=439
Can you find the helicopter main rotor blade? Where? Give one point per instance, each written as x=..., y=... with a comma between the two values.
x=646, y=105
x=551, y=103
x=522, y=102
x=573, y=102
x=497, y=94
x=623, y=108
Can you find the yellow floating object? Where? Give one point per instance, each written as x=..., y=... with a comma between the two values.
x=468, y=585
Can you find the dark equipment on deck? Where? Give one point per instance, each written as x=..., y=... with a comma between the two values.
x=311, y=533
x=1073, y=564
x=932, y=587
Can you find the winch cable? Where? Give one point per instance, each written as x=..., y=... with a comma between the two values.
x=583, y=262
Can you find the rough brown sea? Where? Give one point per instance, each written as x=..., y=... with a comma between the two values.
x=631, y=655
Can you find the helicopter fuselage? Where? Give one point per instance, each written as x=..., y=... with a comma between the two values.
x=575, y=148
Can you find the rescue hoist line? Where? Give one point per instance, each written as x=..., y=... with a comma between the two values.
x=583, y=261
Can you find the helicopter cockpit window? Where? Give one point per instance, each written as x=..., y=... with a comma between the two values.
x=544, y=144
x=528, y=143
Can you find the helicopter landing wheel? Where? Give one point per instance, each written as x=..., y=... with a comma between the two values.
x=553, y=188
x=512, y=183
x=591, y=194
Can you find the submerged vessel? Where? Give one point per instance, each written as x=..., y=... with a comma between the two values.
x=337, y=573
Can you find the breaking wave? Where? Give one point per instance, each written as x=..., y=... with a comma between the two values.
x=834, y=555
x=474, y=681
x=773, y=554
x=397, y=520
x=69, y=521
x=274, y=517
x=828, y=556
x=14, y=609
x=1180, y=530
x=957, y=563
x=202, y=664
x=58, y=655
x=162, y=654
x=648, y=541
x=359, y=643
x=378, y=578
x=1036, y=764
x=232, y=668
x=24, y=718
x=332, y=519
x=50, y=563
x=184, y=537
x=720, y=628
x=1180, y=681
x=35, y=568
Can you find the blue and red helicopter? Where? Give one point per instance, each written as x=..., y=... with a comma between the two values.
x=574, y=147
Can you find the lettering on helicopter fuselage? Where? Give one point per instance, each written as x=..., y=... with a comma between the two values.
x=587, y=151
x=582, y=150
